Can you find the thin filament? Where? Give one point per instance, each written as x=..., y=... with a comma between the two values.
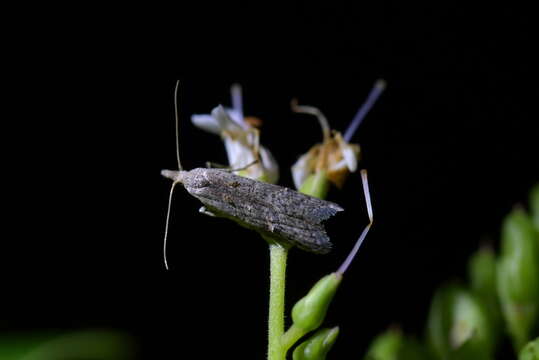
x=177, y=125
x=375, y=93
x=166, y=224
x=311, y=110
x=354, y=251
x=237, y=100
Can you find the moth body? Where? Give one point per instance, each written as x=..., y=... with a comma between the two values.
x=278, y=213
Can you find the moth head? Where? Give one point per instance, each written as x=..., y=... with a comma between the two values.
x=193, y=180
x=178, y=176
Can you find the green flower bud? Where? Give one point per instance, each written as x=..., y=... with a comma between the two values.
x=458, y=326
x=530, y=351
x=482, y=272
x=392, y=345
x=518, y=277
x=482, y=275
x=317, y=346
x=534, y=205
x=316, y=185
x=439, y=321
x=310, y=311
x=385, y=346
x=471, y=334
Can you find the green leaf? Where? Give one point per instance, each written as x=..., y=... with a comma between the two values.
x=91, y=344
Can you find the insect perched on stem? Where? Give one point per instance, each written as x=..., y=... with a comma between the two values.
x=279, y=214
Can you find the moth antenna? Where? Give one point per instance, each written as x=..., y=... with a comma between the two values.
x=237, y=99
x=177, y=125
x=166, y=223
x=311, y=110
x=376, y=91
x=354, y=251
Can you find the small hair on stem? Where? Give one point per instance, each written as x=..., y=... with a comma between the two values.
x=354, y=251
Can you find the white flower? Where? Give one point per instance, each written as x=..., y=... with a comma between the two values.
x=335, y=156
x=241, y=140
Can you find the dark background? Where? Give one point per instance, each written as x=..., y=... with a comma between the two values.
x=451, y=147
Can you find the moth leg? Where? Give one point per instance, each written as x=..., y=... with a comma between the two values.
x=205, y=211
x=211, y=165
x=244, y=167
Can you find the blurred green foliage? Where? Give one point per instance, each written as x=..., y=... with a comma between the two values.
x=87, y=345
x=393, y=345
x=502, y=297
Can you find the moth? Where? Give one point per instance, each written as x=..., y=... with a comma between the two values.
x=278, y=213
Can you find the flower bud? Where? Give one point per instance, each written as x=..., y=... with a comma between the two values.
x=385, y=346
x=458, y=325
x=518, y=276
x=310, y=311
x=393, y=345
x=482, y=275
x=316, y=185
x=317, y=346
x=530, y=351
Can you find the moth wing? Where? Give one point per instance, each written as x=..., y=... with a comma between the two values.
x=274, y=211
x=297, y=205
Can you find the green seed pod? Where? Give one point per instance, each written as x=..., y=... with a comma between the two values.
x=534, y=205
x=518, y=277
x=458, y=326
x=310, y=311
x=316, y=185
x=317, y=346
x=482, y=275
x=393, y=345
x=530, y=351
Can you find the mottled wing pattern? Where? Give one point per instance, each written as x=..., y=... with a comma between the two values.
x=276, y=212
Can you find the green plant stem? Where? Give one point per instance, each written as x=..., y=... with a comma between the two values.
x=291, y=336
x=278, y=255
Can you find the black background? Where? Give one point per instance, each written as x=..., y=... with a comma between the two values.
x=451, y=147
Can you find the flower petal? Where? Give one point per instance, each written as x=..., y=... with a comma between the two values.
x=239, y=154
x=225, y=121
x=237, y=117
x=206, y=122
x=301, y=170
x=350, y=154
